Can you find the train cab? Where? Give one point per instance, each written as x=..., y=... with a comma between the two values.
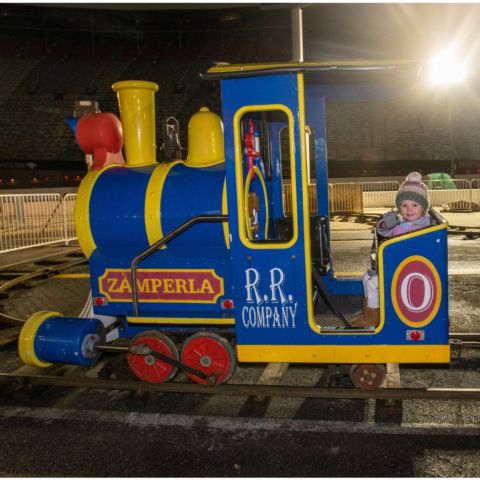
x=290, y=305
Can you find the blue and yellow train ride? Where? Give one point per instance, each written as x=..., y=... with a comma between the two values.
x=199, y=263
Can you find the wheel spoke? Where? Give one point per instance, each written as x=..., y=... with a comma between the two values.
x=157, y=371
x=210, y=354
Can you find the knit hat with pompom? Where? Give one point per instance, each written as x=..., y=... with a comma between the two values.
x=413, y=189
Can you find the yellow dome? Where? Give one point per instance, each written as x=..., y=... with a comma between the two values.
x=205, y=139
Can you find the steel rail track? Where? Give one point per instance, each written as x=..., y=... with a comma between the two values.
x=294, y=391
x=63, y=253
x=9, y=320
x=11, y=337
x=39, y=273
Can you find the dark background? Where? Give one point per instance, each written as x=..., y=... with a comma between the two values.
x=52, y=55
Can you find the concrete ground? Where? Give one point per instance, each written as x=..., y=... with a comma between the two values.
x=86, y=444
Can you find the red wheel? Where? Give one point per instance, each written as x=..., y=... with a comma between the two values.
x=211, y=354
x=148, y=368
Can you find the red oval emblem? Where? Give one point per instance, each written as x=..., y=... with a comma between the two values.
x=416, y=291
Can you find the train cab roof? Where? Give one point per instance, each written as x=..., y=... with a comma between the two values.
x=342, y=80
x=226, y=70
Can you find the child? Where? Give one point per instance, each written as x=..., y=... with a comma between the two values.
x=412, y=203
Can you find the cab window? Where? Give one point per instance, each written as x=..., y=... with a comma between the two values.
x=265, y=173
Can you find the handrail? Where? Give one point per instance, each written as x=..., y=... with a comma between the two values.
x=159, y=243
x=436, y=216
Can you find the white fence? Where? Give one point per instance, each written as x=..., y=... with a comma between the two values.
x=28, y=220
x=457, y=196
x=379, y=194
x=462, y=196
x=476, y=190
x=68, y=216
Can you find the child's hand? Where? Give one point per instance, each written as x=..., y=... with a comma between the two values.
x=390, y=219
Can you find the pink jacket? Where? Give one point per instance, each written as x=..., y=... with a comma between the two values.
x=404, y=226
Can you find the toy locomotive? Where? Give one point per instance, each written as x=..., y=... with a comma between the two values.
x=195, y=264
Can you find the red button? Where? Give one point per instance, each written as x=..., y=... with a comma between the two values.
x=415, y=335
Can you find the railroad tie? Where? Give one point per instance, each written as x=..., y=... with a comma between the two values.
x=392, y=379
x=272, y=375
x=389, y=410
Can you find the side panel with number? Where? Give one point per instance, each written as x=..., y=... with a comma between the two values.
x=413, y=284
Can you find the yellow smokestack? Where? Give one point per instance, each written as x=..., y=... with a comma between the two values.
x=136, y=100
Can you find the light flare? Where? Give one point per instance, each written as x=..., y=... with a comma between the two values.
x=446, y=69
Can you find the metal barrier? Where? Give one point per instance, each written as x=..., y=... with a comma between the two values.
x=463, y=196
x=68, y=216
x=287, y=199
x=345, y=197
x=349, y=197
x=28, y=220
x=475, y=194
x=312, y=199
x=456, y=198
x=379, y=194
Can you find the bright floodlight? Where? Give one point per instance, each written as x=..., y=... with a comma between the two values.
x=445, y=69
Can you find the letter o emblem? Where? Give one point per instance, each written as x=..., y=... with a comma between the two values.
x=416, y=291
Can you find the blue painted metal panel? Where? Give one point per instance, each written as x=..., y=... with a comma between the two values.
x=262, y=276
x=315, y=118
x=270, y=283
x=432, y=247
x=120, y=235
x=189, y=192
x=117, y=207
x=162, y=259
x=131, y=329
x=275, y=193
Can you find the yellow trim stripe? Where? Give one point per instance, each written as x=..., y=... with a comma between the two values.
x=337, y=274
x=26, y=340
x=183, y=321
x=416, y=233
x=245, y=202
x=239, y=176
x=418, y=353
x=306, y=209
x=72, y=275
x=211, y=164
x=153, y=199
x=334, y=63
x=226, y=231
x=82, y=210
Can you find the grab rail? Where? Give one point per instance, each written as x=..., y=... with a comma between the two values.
x=159, y=243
